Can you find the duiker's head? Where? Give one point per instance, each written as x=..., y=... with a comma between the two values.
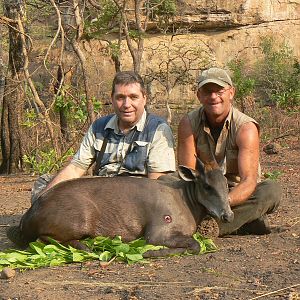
x=211, y=190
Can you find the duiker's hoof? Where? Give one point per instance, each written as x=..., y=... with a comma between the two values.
x=209, y=228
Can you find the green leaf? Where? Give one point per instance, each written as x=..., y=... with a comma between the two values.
x=134, y=257
x=117, y=240
x=15, y=256
x=206, y=245
x=78, y=257
x=38, y=248
x=57, y=262
x=104, y=249
x=137, y=243
x=99, y=239
x=4, y=262
x=105, y=256
x=58, y=245
x=51, y=249
x=123, y=248
x=148, y=247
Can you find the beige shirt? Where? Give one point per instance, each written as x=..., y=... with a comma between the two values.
x=159, y=152
x=225, y=150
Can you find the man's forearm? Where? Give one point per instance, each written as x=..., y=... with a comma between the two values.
x=156, y=175
x=241, y=192
x=69, y=172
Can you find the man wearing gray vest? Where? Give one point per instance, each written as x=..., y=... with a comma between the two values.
x=129, y=142
x=219, y=132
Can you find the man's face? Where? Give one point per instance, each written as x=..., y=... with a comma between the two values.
x=128, y=102
x=216, y=100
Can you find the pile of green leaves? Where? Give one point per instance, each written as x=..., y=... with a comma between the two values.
x=103, y=249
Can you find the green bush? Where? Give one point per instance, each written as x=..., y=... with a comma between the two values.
x=41, y=162
x=273, y=80
x=106, y=20
x=277, y=75
x=74, y=108
x=162, y=11
x=31, y=118
x=163, y=8
x=242, y=81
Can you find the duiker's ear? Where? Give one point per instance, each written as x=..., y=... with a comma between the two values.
x=200, y=169
x=187, y=174
x=200, y=166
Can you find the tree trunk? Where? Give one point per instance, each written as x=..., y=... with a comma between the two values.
x=15, y=113
x=13, y=100
x=4, y=136
x=135, y=45
x=81, y=53
x=64, y=79
x=4, y=109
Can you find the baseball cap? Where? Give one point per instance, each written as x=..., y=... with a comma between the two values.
x=214, y=75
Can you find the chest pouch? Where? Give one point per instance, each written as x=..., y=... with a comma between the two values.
x=136, y=158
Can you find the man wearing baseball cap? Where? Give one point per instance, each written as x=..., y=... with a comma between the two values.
x=217, y=132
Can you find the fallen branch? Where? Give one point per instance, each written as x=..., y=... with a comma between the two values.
x=287, y=133
x=276, y=292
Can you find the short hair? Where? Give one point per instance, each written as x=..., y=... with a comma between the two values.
x=128, y=77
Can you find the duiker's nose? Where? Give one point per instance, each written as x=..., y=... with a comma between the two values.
x=227, y=217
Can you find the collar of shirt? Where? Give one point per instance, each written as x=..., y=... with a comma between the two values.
x=205, y=124
x=113, y=123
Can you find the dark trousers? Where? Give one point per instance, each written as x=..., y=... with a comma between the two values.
x=264, y=200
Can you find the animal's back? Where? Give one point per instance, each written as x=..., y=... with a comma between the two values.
x=95, y=206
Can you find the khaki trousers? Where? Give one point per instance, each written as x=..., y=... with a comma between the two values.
x=264, y=200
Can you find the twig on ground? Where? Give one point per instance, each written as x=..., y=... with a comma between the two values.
x=275, y=292
x=287, y=133
x=105, y=264
x=143, y=283
x=297, y=220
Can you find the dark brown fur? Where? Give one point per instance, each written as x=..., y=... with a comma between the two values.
x=165, y=212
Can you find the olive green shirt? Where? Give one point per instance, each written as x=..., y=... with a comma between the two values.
x=224, y=150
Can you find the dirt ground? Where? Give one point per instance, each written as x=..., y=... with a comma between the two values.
x=245, y=267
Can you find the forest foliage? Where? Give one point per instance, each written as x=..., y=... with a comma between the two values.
x=47, y=102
